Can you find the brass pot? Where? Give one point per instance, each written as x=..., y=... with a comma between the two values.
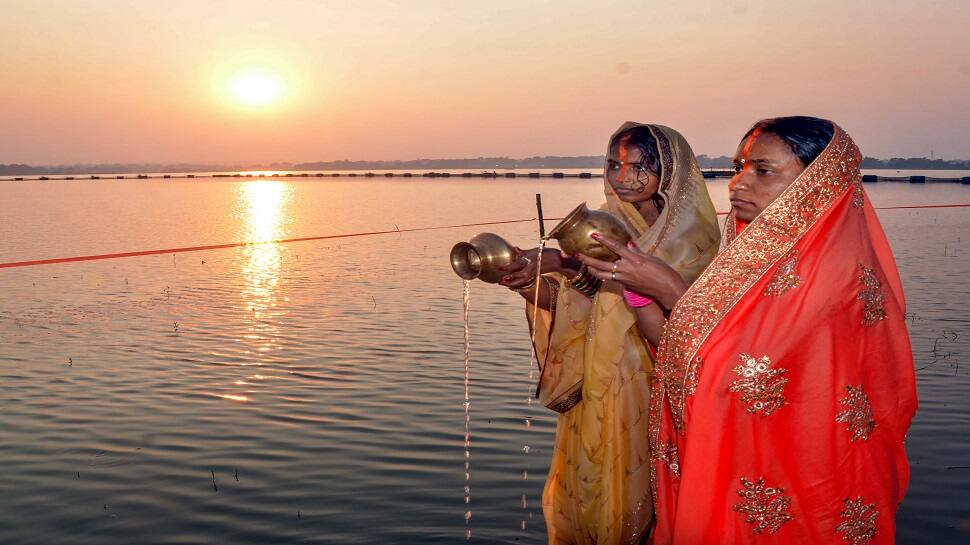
x=573, y=233
x=481, y=257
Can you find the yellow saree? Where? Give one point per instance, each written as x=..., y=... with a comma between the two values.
x=596, y=367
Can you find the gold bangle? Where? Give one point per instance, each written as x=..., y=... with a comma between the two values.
x=582, y=270
x=587, y=279
x=580, y=284
x=583, y=278
x=592, y=288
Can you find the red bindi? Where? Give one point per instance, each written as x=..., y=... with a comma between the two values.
x=745, y=152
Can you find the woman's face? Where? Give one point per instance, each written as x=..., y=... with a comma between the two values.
x=626, y=174
x=769, y=168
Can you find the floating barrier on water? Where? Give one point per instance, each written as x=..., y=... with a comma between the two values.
x=709, y=174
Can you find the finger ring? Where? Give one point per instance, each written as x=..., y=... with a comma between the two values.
x=615, y=265
x=613, y=275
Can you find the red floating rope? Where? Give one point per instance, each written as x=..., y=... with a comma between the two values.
x=120, y=255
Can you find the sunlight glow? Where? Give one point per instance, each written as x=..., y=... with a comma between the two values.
x=256, y=87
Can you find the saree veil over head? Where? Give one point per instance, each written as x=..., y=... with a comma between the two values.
x=595, y=366
x=785, y=384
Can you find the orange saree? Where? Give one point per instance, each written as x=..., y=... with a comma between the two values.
x=784, y=384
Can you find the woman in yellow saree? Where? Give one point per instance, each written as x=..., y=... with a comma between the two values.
x=595, y=364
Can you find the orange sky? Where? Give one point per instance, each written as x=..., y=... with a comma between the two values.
x=144, y=81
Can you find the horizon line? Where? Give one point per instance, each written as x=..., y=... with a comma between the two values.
x=563, y=161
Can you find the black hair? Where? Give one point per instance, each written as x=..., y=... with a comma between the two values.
x=641, y=138
x=806, y=136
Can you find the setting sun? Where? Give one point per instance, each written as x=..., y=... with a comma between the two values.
x=256, y=87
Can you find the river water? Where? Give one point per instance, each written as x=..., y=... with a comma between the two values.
x=313, y=392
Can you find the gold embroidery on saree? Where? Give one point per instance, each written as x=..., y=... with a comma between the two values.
x=667, y=454
x=635, y=524
x=858, y=521
x=569, y=401
x=858, y=194
x=872, y=297
x=857, y=414
x=693, y=377
x=761, y=386
x=785, y=277
x=653, y=432
x=765, y=507
x=744, y=262
x=666, y=159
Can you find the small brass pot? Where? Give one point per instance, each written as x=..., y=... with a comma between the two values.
x=573, y=232
x=481, y=257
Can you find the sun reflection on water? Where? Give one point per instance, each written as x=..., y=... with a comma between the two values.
x=264, y=206
x=232, y=397
x=263, y=214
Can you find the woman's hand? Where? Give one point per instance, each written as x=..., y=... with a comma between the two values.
x=638, y=272
x=522, y=271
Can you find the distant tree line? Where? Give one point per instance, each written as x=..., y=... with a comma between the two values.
x=114, y=168
x=923, y=163
x=593, y=162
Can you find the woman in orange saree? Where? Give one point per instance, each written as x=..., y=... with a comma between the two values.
x=595, y=363
x=784, y=384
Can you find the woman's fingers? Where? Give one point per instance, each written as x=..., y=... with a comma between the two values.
x=619, y=249
x=519, y=277
x=596, y=264
x=522, y=261
x=620, y=276
x=514, y=266
x=636, y=251
x=600, y=273
x=514, y=281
